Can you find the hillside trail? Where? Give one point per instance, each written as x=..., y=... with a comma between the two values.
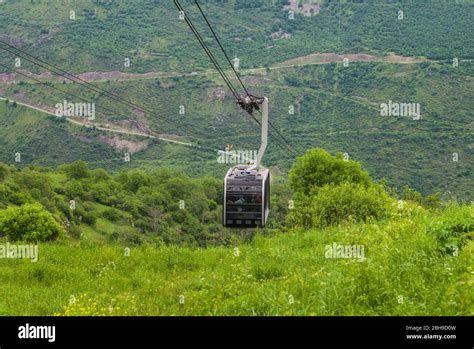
x=312, y=59
x=88, y=124
x=97, y=77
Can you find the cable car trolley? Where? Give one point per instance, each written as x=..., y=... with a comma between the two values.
x=247, y=187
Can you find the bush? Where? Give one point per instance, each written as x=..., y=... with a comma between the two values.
x=76, y=170
x=317, y=168
x=101, y=192
x=134, y=180
x=453, y=228
x=30, y=222
x=85, y=214
x=111, y=214
x=336, y=203
x=330, y=190
x=74, y=231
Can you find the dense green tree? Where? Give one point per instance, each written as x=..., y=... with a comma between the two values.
x=336, y=203
x=317, y=168
x=30, y=222
x=77, y=170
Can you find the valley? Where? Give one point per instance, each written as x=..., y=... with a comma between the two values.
x=116, y=131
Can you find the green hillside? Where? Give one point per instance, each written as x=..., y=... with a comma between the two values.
x=331, y=109
x=336, y=107
x=150, y=34
x=151, y=243
x=371, y=210
x=285, y=274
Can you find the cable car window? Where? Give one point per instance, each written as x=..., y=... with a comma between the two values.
x=247, y=199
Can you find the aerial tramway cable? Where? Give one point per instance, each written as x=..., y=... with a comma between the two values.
x=207, y=50
x=220, y=45
x=75, y=79
x=115, y=97
x=226, y=79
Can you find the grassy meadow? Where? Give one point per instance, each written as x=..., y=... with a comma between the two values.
x=408, y=270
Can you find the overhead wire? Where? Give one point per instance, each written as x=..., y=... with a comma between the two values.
x=113, y=96
x=220, y=45
x=235, y=71
x=75, y=96
x=207, y=50
x=214, y=60
x=201, y=147
x=222, y=72
x=57, y=89
x=75, y=79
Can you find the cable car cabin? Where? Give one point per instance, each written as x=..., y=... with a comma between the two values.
x=246, y=197
x=246, y=187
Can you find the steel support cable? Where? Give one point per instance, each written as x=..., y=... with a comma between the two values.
x=78, y=80
x=209, y=53
x=113, y=111
x=211, y=56
x=90, y=86
x=113, y=96
x=60, y=90
x=233, y=68
x=80, y=98
x=68, y=75
x=207, y=50
x=222, y=48
x=96, y=89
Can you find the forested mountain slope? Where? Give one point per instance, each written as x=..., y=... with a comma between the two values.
x=328, y=104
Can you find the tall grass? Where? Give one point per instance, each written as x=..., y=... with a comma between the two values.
x=406, y=271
